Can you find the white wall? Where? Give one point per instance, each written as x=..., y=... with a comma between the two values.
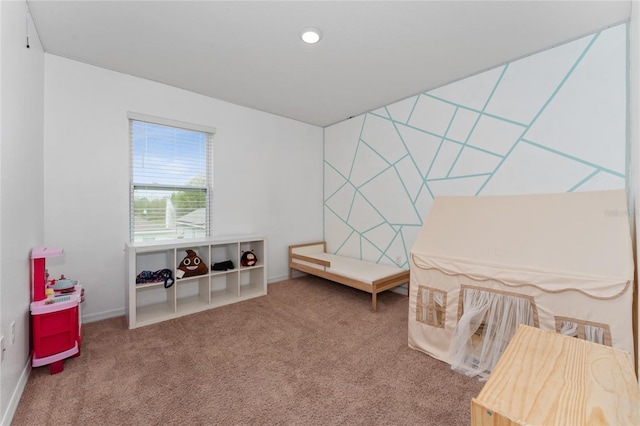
x=267, y=173
x=634, y=136
x=21, y=190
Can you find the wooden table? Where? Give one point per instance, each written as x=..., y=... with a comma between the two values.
x=545, y=378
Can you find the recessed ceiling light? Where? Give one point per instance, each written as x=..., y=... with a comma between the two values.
x=310, y=35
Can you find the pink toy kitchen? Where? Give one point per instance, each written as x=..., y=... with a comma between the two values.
x=56, y=321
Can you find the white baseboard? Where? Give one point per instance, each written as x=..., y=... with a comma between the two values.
x=121, y=312
x=282, y=278
x=103, y=315
x=7, y=417
x=403, y=289
x=296, y=274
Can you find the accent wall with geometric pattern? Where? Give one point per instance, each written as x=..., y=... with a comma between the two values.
x=555, y=121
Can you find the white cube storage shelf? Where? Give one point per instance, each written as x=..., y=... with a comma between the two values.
x=151, y=302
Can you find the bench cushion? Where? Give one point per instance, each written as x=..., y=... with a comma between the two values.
x=356, y=269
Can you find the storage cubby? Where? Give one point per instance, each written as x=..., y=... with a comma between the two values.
x=150, y=302
x=224, y=288
x=185, y=254
x=154, y=261
x=251, y=281
x=257, y=247
x=153, y=300
x=192, y=294
x=223, y=253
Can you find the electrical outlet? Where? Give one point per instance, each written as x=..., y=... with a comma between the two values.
x=13, y=332
x=2, y=348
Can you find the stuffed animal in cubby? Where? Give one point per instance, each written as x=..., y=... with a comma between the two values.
x=222, y=266
x=191, y=266
x=248, y=258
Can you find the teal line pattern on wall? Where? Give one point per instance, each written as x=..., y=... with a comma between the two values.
x=480, y=114
x=458, y=141
x=553, y=95
x=444, y=137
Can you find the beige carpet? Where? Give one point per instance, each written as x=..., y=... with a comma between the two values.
x=310, y=352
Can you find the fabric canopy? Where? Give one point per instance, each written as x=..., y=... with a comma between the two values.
x=556, y=242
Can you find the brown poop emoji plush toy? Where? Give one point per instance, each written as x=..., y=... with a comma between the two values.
x=191, y=266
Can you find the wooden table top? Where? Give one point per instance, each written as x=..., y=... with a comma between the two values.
x=545, y=378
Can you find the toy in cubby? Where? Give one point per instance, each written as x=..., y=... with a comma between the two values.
x=191, y=265
x=248, y=258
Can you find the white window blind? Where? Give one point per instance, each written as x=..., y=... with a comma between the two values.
x=171, y=179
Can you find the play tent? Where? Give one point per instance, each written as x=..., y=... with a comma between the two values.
x=483, y=264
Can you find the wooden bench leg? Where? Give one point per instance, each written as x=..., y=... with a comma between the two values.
x=373, y=302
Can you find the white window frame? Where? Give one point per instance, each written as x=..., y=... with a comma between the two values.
x=208, y=187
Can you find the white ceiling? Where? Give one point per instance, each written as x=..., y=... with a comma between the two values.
x=372, y=53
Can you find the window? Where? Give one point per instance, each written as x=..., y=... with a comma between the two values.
x=431, y=306
x=171, y=179
x=487, y=320
x=585, y=330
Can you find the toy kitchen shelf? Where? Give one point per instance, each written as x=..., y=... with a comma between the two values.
x=150, y=303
